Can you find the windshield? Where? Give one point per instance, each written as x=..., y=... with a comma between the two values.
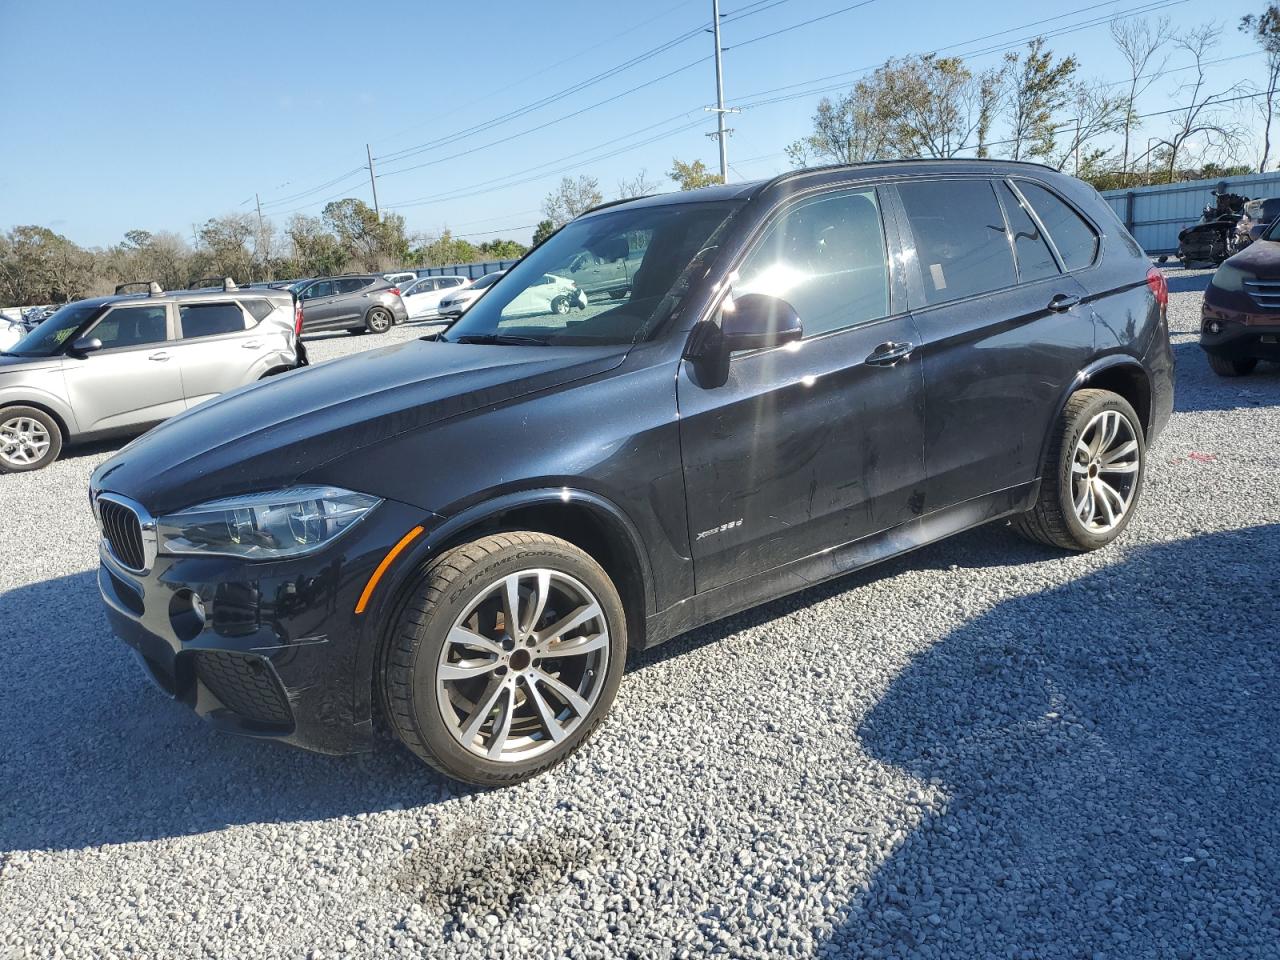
x=604, y=279
x=46, y=339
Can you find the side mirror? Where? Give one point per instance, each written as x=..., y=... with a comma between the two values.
x=757, y=320
x=86, y=345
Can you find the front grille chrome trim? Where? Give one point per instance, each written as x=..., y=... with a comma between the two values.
x=120, y=537
x=1266, y=293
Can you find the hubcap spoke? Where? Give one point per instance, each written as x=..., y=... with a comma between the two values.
x=549, y=722
x=539, y=603
x=574, y=620
x=483, y=709
x=466, y=669
x=563, y=691
x=502, y=726
x=461, y=636
x=575, y=647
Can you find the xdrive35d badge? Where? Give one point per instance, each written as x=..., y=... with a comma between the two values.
x=459, y=539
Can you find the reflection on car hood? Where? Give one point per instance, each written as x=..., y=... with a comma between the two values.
x=1261, y=258
x=269, y=434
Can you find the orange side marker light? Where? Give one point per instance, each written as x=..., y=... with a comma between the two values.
x=389, y=559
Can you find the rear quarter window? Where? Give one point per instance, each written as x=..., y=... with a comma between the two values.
x=1075, y=238
x=259, y=309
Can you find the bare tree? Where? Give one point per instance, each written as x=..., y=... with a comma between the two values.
x=936, y=104
x=1140, y=43
x=638, y=186
x=1097, y=113
x=855, y=128
x=1202, y=115
x=1265, y=29
x=1039, y=88
x=571, y=198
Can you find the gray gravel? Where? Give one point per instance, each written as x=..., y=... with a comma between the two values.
x=984, y=749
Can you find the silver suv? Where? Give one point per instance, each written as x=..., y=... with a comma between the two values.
x=119, y=364
x=355, y=302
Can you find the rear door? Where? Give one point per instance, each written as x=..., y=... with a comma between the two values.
x=816, y=443
x=134, y=379
x=1002, y=332
x=214, y=351
x=353, y=299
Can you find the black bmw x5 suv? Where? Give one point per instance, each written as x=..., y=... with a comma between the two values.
x=807, y=375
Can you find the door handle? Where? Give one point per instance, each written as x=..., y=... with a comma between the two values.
x=250, y=345
x=159, y=357
x=1062, y=302
x=887, y=354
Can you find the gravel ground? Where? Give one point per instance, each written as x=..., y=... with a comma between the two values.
x=984, y=749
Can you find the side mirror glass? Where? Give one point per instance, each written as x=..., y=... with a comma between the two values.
x=754, y=321
x=86, y=345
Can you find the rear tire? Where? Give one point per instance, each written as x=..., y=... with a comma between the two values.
x=1225, y=367
x=30, y=439
x=1091, y=479
x=479, y=693
x=378, y=320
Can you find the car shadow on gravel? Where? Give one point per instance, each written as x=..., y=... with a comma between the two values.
x=1199, y=388
x=1108, y=751
x=92, y=753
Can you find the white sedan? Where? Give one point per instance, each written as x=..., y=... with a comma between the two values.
x=422, y=297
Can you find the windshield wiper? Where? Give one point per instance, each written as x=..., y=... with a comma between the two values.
x=509, y=339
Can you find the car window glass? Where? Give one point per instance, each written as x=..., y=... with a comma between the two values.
x=350, y=285
x=1075, y=239
x=132, y=326
x=208, y=319
x=960, y=237
x=1035, y=259
x=452, y=281
x=826, y=257
x=322, y=289
x=259, y=308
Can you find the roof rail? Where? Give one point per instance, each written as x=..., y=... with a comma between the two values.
x=225, y=282
x=153, y=288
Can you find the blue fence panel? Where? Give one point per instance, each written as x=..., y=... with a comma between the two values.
x=471, y=271
x=1155, y=214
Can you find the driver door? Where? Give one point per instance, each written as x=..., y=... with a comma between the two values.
x=319, y=306
x=818, y=443
x=134, y=380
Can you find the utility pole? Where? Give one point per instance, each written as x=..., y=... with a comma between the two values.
x=259, y=203
x=373, y=183
x=258, y=242
x=722, y=133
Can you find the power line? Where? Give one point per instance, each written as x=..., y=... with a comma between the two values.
x=803, y=23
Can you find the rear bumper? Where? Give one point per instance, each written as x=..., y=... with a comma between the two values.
x=276, y=648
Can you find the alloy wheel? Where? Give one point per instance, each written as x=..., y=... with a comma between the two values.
x=523, y=666
x=23, y=441
x=1104, y=471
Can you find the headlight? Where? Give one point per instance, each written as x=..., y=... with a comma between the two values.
x=264, y=526
x=1230, y=278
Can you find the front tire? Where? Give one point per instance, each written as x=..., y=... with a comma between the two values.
x=1092, y=476
x=1225, y=367
x=503, y=658
x=560, y=305
x=30, y=439
x=378, y=320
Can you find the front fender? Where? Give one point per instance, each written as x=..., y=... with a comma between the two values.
x=32, y=396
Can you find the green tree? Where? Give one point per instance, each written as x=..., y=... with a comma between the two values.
x=446, y=250
x=571, y=198
x=854, y=128
x=225, y=242
x=1264, y=28
x=691, y=176
x=316, y=251
x=503, y=249
x=372, y=243
x=1040, y=86
x=544, y=229
x=40, y=266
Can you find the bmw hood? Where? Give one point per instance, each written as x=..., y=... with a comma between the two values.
x=270, y=434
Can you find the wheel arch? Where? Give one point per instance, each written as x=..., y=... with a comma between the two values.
x=59, y=417
x=1123, y=375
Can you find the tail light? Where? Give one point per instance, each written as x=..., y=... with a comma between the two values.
x=1159, y=286
x=395, y=291
x=297, y=318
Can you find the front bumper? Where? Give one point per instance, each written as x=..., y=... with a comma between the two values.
x=271, y=649
x=1239, y=335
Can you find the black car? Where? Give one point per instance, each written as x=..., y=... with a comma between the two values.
x=807, y=375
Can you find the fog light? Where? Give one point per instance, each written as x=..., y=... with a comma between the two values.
x=1214, y=326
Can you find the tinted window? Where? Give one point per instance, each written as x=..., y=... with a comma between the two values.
x=451, y=282
x=1074, y=238
x=259, y=308
x=208, y=319
x=1035, y=259
x=826, y=257
x=351, y=284
x=323, y=288
x=960, y=238
x=132, y=327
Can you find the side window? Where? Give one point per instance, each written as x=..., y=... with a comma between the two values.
x=260, y=309
x=1075, y=239
x=826, y=257
x=350, y=285
x=132, y=326
x=210, y=319
x=1035, y=259
x=960, y=237
x=321, y=288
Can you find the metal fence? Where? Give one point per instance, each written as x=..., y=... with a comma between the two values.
x=1154, y=215
x=469, y=270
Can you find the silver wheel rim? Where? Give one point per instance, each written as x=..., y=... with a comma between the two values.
x=23, y=441
x=379, y=321
x=524, y=665
x=560, y=305
x=1104, y=471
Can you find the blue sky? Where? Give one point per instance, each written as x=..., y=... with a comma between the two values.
x=158, y=115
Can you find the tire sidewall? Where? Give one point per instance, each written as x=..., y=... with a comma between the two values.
x=55, y=438
x=428, y=718
x=1088, y=539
